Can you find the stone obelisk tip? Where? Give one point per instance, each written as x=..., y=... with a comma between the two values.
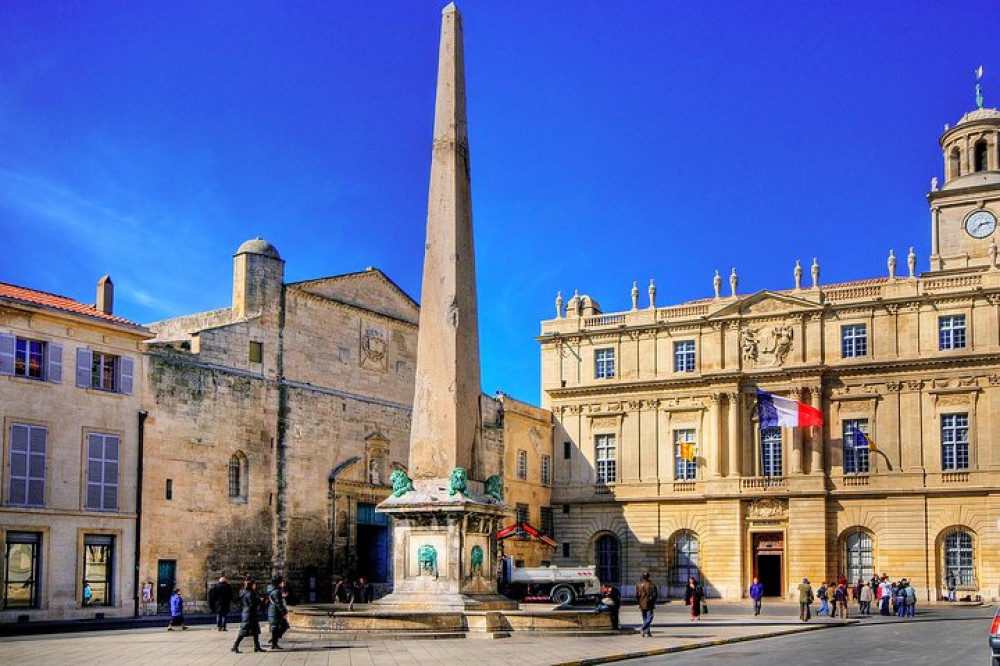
x=451, y=8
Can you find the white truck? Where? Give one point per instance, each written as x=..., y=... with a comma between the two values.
x=561, y=585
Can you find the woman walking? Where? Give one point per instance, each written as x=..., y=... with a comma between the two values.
x=693, y=595
x=250, y=616
x=865, y=599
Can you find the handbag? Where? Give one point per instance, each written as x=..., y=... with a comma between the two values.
x=704, y=608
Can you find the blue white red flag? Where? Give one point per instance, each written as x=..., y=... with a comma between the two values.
x=775, y=411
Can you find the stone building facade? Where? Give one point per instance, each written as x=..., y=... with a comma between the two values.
x=273, y=427
x=911, y=361
x=70, y=405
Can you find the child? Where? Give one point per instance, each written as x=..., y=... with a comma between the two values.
x=176, y=610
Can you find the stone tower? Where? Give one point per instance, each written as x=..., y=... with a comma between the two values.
x=966, y=209
x=258, y=277
x=444, y=524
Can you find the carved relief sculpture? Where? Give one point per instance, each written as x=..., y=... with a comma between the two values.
x=748, y=343
x=766, y=508
x=373, y=348
x=767, y=347
x=477, y=560
x=427, y=561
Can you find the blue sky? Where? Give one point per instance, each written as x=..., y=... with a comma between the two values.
x=610, y=142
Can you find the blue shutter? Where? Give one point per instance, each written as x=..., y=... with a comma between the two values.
x=126, y=370
x=7, y=346
x=54, y=371
x=84, y=369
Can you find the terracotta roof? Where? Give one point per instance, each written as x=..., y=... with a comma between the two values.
x=40, y=298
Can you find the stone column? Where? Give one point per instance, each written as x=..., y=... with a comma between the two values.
x=715, y=448
x=797, y=443
x=735, y=435
x=816, y=436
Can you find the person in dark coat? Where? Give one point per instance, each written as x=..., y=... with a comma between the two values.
x=646, y=594
x=220, y=600
x=249, y=616
x=611, y=601
x=276, y=610
x=693, y=594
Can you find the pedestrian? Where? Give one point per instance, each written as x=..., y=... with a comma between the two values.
x=647, y=594
x=831, y=593
x=910, y=599
x=249, y=616
x=756, y=593
x=693, y=595
x=364, y=591
x=88, y=594
x=277, y=612
x=841, y=594
x=805, y=600
x=822, y=594
x=176, y=610
x=865, y=599
x=885, y=589
x=901, y=598
x=841, y=580
x=611, y=602
x=951, y=583
x=220, y=600
x=894, y=597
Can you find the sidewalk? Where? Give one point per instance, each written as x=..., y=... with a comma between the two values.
x=672, y=631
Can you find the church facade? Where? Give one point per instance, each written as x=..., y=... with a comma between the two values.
x=660, y=464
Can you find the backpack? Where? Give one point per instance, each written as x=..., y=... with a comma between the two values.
x=821, y=593
x=652, y=593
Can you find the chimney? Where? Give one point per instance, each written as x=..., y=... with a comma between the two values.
x=105, y=295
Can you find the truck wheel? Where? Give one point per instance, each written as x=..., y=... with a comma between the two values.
x=563, y=595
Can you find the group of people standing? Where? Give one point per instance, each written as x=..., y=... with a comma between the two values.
x=253, y=605
x=897, y=598
x=348, y=591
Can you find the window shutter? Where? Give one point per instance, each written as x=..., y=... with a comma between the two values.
x=84, y=369
x=126, y=369
x=7, y=346
x=54, y=373
x=110, y=473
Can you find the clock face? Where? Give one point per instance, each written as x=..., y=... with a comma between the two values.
x=981, y=224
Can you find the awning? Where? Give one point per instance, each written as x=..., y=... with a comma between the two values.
x=517, y=529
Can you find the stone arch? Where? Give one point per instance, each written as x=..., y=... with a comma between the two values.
x=684, y=547
x=607, y=550
x=954, y=162
x=856, y=553
x=980, y=156
x=957, y=548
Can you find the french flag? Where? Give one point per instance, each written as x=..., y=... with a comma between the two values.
x=775, y=411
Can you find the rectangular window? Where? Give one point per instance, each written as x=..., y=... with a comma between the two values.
x=522, y=517
x=954, y=441
x=104, y=371
x=684, y=356
x=522, y=465
x=23, y=555
x=565, y=549
x=855, y=448
x=951, y=332
x=546, y=468
x=604, y=363
x=102, y=472
x=26, y=480
x=98, y=569
x=685, y=465
x=607, y=458
x=256, y=352
x=854, y=340
x=168, y=492
x=770, y=452
x=567, y=450
x=29, y=358
x=565, y=508
x=546, y=522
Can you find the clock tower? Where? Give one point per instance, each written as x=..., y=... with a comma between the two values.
x=965, y=211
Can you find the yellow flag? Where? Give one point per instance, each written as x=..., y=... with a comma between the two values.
x=687, y=452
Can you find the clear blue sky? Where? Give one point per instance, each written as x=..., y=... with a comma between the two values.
x=610, y=141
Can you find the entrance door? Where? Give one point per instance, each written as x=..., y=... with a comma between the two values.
x=373, y=544
x=166, y=580
x=769, y=550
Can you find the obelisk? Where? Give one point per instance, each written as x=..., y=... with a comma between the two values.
x=445, y=427
x=445, y=523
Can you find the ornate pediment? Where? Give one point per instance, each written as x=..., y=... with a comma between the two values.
x=765, y=303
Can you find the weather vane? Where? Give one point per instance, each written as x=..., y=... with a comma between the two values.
x=979, y=88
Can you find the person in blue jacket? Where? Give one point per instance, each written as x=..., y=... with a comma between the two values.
x=756, y=593
x=176, y=610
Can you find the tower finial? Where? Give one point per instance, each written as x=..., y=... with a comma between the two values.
x=979, y=88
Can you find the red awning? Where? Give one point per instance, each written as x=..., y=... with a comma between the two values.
x=517, y=529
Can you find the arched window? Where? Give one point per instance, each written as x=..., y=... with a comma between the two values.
x=958, y=557
x=607, y=557
x=684, y=561
x=979, y=157
x=955, y=163
x=858, y=556
x=238, y=477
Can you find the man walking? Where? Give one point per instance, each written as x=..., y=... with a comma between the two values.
x=276, y=610
x=647, y=594
x=950, y=581
x=822, y=594
x=220, y=599
x=805, y=600
x=756, y=593
x=886, y=588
